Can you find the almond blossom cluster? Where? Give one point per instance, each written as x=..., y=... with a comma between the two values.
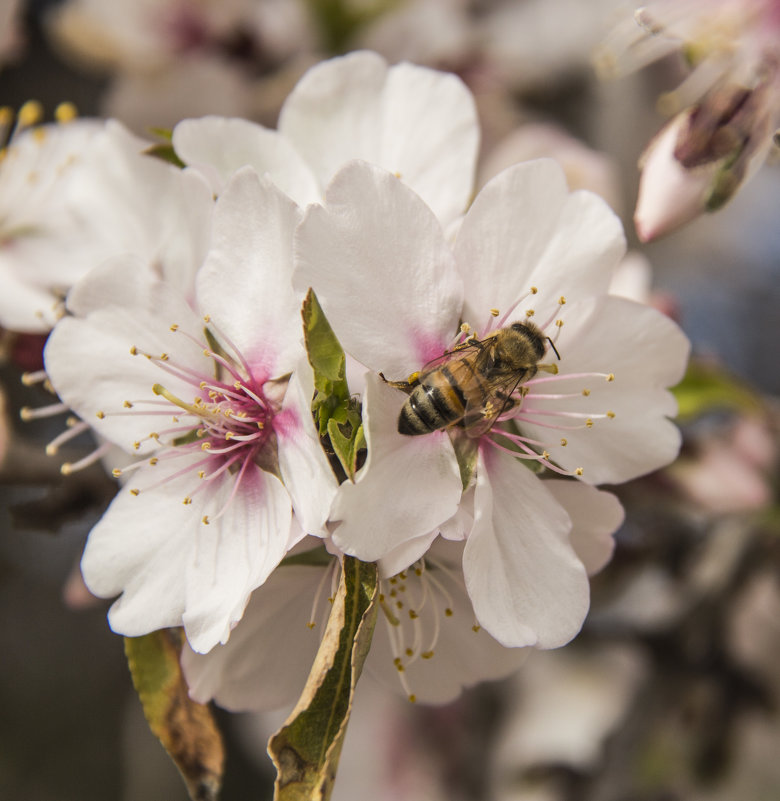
x=177, y=339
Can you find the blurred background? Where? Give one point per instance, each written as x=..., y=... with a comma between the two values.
x=672, y=690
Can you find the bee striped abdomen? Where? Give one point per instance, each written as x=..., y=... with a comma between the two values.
x=436, y=402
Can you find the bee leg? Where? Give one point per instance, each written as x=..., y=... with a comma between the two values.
x=404, y=386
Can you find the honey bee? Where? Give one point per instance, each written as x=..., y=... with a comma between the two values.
x=472, y=384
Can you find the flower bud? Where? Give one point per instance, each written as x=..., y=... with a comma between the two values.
x=701, y=157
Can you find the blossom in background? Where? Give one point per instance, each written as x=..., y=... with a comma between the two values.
x=426, y=644
x=415, y=122
x=10, y=34
x=726, y=110
x=396, y=294
x=229, y=471
x=75, y=193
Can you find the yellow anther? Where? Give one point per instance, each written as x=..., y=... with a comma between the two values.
x=26, y=413
x=187, y=500
x=494, y=312
x=51, y=450
x=610, y=377
x=559, y=323
x=393, y=580
x=545, y=455
x=175, y=327
x=448, y=612
x=260, y=424
x=100, y=415
x=464, y=328
x=136, y=445
x=578, y=471
x=205, y=446
x=397, y=660
x=201, y=473
x=564, y=442
x=311, y=624
x=611, y=415
x=202, y=385
x=127, y=404
x=399, y=604
x=589, y=423
x=206, y=318
x=534, y=290
x=402, y=575
x=409, y=652
x=30, y=113
x=530, y=313
x=561, y=300
x=586, y=392
x=154, y=435
x=412, y=699
x=476, y=627
x=381, y=597
x=66, y=112
x=229, y=435
x=205, y=520
x=427, y=654
x=116, y=472
x=418, y=571
x=133, y=351
x=397, y=174
x=163, y=357
x=413, y=615
x=6, y=115
x=135, y=492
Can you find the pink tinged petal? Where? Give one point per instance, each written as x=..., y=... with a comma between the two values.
x=245, y=284
x=669, y=194
x=525, y=229
x=88, y=357
x=407, y=487
x=463, y=654
x=374, y=239
x=233, y=554
x=646, y=352
x=526, y=583
x=266, y=661
x=595, y=516
x=304, y=466
x=219, y=146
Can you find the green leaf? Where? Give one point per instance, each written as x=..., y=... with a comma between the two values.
x=706, y=388
x=306, y=750
x=335, y=411
x=326, y=355
x=164, y=152
x=185, y=728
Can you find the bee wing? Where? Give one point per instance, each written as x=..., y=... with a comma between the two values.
x=458, y=352
x=479, y=417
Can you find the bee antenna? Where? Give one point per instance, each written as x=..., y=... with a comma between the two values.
x=552, y=345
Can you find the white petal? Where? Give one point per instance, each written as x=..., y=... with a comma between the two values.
x=407, y=487
x=234, y=554
x=24, y=306
x=245, y=284
x=462, y=656
x=526, y=583
x=646, y=352
x=407, y=553
x=595, y=517
x=88, y=358
x=171, y=568
x=382, y=271
x=220, y=146
x=410, y=120
x=305, y=469
x=265, y=663
x=524, y=229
